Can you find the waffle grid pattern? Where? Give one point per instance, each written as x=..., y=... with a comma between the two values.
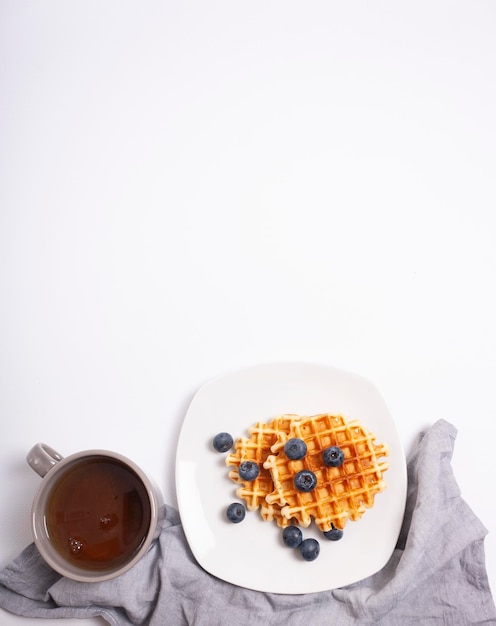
x=256, y=448
x=342, y=493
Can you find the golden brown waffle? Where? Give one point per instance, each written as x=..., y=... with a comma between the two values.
x=341, y=493
x=257, y=448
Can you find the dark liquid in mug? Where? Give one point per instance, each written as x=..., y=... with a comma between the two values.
x=98, y=513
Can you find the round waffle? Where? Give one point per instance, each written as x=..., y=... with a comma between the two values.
x=257, y=448
x=341, y=493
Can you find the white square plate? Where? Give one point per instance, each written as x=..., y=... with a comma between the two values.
x=251, y=554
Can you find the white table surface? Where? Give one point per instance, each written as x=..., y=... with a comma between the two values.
x=190, y=188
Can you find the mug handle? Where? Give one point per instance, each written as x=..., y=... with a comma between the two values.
x=42, y=458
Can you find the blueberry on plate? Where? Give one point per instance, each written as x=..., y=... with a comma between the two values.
x=248, y=470
x=292, y=536
x=335, y=534
x=223, y=442
x=310, y=549
x=235, y=512
x=333, y=456
x=305, y=480
x=295, y=449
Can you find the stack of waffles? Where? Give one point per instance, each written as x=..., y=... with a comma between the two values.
x=342, y=493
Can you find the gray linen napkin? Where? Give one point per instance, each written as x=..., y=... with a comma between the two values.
x=436, y=575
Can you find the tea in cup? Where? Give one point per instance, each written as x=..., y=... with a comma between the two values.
x=95, y=513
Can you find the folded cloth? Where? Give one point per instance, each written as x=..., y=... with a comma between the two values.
x=436, y=575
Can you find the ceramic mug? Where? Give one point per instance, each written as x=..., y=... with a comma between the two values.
x=95, y=513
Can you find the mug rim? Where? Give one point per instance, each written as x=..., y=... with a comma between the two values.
x=38, y=519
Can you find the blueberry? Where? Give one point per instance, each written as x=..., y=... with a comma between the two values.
x=335, y=534
x=295, y=449
x=248, y=470
x=292, y=536
x=333, y=456
x=235, y=512
x=309, y=549
x=223, y=442
x=305, y=480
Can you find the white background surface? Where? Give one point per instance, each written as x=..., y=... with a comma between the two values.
x=189, y=188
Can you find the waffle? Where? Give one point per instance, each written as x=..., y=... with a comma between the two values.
x=342, y=493
x=257, y=448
